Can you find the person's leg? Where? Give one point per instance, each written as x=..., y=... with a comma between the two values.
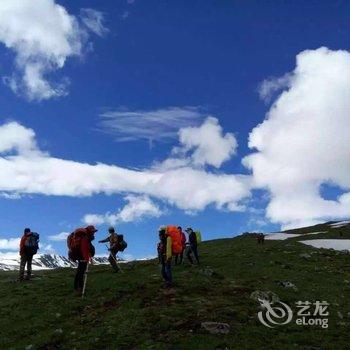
x=29, y=265
x=22, y=267
x=82, y=274
x=195, y=253
x=163, y=271
x=176, y=258
x=168, y=271
x=189, y=255
x=79, y=276
x=112, y=260
x=181, y=257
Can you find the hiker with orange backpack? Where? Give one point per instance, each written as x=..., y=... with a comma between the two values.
x=28, y=246
x=81, y=250
x=169, y=245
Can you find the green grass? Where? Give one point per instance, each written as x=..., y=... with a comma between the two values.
x=133, y=310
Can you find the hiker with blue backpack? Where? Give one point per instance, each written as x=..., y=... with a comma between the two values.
x=28, y=246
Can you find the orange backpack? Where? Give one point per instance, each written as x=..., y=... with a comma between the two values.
x=176, y=237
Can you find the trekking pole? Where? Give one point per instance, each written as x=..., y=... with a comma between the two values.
x=110, y=253
x=85, y=279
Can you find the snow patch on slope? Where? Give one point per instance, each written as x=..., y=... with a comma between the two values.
x=282, y=235
x=336, y=244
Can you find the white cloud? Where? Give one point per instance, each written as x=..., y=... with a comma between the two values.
x=94, y=21
x=137, y=208
x=42, y=38
x=27, y=170
x=94, y=219
x=270, y=86
x=208, y=143
x=12, y=196
x=303, y=142
x=46, y=249
x=59, y=237
x=10, y=244
x=152, y=125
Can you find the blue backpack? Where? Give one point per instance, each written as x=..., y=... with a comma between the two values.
x=32, y=243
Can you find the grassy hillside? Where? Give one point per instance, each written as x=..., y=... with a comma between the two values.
x=133, y=310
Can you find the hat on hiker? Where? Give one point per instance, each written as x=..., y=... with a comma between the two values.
x=111, y=229
x=26, y=230
x=91, y=229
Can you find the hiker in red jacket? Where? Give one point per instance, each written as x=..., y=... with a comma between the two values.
x=179, y=257
x=28, y=246
x=81, y=250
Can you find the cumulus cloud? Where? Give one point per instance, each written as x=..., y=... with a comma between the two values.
x=42, y=37
x=10, y=244
x=62, y=236
x=303, y=141
x=28, y=170
x=150, y=125
x=208, y=143
x=137, y=208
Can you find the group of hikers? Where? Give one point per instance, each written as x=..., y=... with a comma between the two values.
x=172, y=243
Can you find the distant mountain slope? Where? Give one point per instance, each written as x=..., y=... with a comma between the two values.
x=10, y=262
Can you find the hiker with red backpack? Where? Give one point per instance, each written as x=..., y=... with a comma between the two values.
x=28, y=246
x=81, y=250
x=116, y=244
x=169, y=245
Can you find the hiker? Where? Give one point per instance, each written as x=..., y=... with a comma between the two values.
x=165, y=255
x=179, y=257
x=261, y=238
x=81, y=250
x=113, y=240
x=28, y=246
x=192, y=246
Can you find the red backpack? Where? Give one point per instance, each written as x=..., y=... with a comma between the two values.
x=74, y=243
x=176, y=239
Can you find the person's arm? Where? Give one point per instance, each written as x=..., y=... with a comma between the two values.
x=104, y=240
x=21, y=245
x=85, y=249
x=169, y=251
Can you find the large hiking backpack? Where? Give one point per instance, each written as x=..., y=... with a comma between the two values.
x=198, y=236
x=74, y=245
x=32, y=243
x=121, y=243
x=176, y=239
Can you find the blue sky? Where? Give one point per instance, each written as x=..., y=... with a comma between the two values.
x=210, y=57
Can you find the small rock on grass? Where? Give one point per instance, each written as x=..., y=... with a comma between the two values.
x=305, y=256
x=287, y=284
x=264, y=295
x=216, y=327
